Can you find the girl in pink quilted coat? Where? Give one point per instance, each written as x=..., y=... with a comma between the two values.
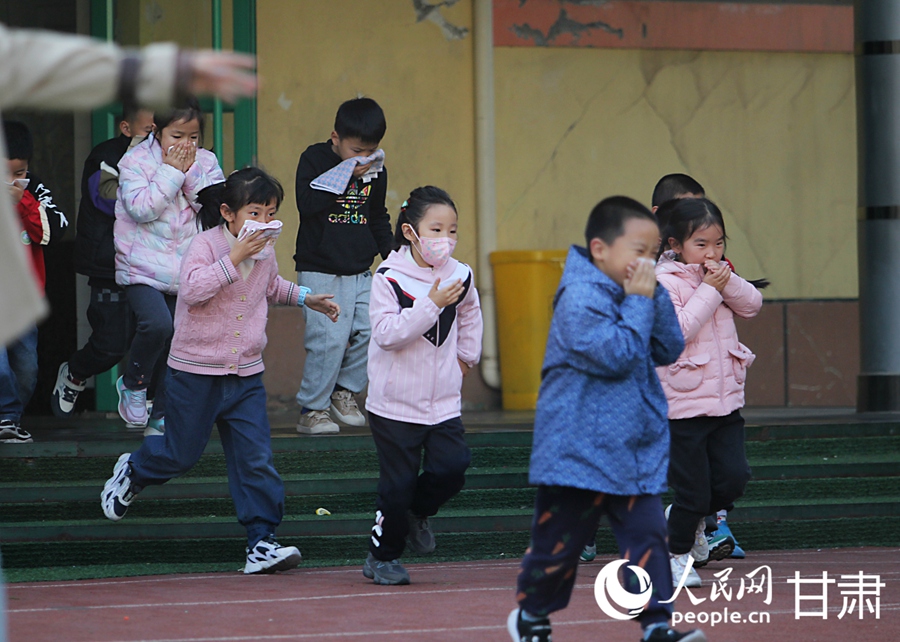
x=708, y=468
x=156, y=218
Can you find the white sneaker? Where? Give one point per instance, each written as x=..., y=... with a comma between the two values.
x=345, y=409
x=118, y=493
x=65, y=392
x=700, y=549
x=317, y=422
x=683, y=567
x=269, y=556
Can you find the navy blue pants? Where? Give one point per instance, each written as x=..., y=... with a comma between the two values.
x=565, y=519
x=708, y=471
x=237, y=405
x=146, y=369
x=401, y=488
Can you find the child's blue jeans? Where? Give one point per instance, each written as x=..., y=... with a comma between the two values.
x=237, y=405
x=18, y=375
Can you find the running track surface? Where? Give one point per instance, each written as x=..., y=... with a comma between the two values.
x=466, y=601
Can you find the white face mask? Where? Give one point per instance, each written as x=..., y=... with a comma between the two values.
x=20, y=182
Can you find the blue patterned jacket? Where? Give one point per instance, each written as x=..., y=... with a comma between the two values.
x=601, y=412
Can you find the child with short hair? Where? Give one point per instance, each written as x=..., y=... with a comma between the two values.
x=108, y=312
x=215, y=367
x=156, y=219
x=426, y=335
x=705, y=386
x=673, y=186
x=41, y=224
x=601, y=440
x=344, y=223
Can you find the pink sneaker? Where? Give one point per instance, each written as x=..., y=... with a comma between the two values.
x=132, y=405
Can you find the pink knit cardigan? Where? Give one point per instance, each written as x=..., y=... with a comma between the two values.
x=220, y=319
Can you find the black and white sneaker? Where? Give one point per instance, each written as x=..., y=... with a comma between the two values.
x=268, y=556
x=13, y=433
x=119, y=492
x=65, y=392
x=521, y=630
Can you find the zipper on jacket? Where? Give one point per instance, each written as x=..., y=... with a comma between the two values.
x=721, y=359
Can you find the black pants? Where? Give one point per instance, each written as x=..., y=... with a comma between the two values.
x=565, y=519
x=401, y=488
x=112, y=328
x=708, y=471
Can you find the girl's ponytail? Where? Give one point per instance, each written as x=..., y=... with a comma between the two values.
x=210, y=199
x=243, y=186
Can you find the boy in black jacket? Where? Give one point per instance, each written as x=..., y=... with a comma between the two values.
x=108, y=311
x=341, y=188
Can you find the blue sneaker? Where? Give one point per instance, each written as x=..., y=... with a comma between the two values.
x=155, y=427
x=723, y=529
x=589, y=552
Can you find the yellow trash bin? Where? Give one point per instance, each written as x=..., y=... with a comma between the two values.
x=524, y=285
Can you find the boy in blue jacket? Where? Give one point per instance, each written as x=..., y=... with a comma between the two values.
x=601, y=437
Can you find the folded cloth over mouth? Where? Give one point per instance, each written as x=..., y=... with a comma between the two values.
x=336, y=179
x=270, y=230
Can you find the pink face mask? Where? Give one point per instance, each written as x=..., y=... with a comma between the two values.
x=435, y=251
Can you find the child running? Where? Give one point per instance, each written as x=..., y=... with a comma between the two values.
x=156, y=218
x=705, y=386
x=426, y=335
x=215, y=367
x=601, y=441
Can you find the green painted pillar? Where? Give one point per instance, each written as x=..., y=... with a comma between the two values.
x=103, y=127
x=245, y=109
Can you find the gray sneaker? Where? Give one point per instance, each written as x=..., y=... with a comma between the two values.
x=345, y=409
x=388, y=573
x=317, y=422
x=420, y=538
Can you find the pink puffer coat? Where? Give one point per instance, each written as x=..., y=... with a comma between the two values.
x=708, y=378
x=156, y=214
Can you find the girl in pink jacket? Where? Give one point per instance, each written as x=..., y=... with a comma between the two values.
x=156, y=218
x=426, y=335
x=215, y=367
x=708, y=468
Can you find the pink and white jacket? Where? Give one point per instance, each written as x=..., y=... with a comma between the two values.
x=220, y=318
x=156, y=214
x=414, y=375
x=707, y=380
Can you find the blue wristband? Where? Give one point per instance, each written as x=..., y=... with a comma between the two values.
x=301, y=298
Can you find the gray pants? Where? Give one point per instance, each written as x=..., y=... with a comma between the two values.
x=336, y=353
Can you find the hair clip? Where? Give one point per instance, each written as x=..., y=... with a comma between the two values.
x=404, y=205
